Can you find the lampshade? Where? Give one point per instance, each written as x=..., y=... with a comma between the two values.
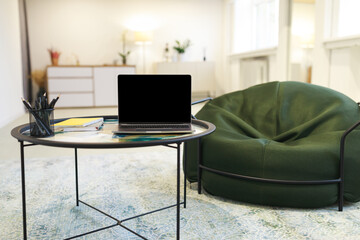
x=307, y=41
x=143, y=37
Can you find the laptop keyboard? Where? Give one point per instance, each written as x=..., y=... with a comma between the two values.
x=155, y=126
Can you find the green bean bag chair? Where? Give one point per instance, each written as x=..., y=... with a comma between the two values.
x=281, y=131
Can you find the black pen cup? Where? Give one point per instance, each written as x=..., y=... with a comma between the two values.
x=41, y=122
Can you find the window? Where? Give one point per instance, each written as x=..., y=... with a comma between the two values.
x=342, y=18
x=255, y=25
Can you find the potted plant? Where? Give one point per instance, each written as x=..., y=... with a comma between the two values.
x=54, y=55
x=124, y=54
x=181, y=48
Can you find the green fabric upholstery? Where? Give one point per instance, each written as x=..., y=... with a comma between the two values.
x=279, y=130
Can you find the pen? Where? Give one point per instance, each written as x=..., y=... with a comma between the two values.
x=44, y=101
x=26, y=103
x=40, y=103
x=53, y=102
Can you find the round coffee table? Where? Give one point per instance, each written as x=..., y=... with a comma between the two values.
x=104, y=138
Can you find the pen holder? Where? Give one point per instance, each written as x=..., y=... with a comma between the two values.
x=41, y=123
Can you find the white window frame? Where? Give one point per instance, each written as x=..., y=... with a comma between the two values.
x=331, y=38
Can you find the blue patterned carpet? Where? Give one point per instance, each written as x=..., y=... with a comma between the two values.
x=124, y=185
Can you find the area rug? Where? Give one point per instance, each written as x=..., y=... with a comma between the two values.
x=125, y=185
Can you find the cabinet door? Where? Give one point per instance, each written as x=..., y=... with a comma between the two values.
x=166, y=68
x=202, y=74
x=62, y=85
x=106, y=89
x=205, y=81
x=75, y=84
x=69, y=72
x=73, y=99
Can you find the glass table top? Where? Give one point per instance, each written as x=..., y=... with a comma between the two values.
x=106, y=138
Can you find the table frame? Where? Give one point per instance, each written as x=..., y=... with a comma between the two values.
x=17, y=133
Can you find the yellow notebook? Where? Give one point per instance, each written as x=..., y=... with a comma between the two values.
x=78, y=122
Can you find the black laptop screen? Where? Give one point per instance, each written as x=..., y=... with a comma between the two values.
x=154, y=98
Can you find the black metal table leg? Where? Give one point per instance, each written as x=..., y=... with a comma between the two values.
x=76, y=178
x=199, y=163
x=184, y=160
x=341, y=196
x=178, y=194
x=341, y=170
x=23, y=188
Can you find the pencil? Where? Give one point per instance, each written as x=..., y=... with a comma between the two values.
x=53, y=102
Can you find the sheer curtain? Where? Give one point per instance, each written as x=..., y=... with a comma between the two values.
x=25, y=51
x=255, y=25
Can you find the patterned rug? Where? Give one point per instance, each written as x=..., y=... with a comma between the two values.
x=125, y=185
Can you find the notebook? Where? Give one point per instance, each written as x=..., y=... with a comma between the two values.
x=154, y=104
x=79, y=122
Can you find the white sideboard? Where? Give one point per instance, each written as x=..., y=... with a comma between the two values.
x=85, y=86
x=202, y=74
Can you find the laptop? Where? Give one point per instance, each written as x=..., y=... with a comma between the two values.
x=154, y=104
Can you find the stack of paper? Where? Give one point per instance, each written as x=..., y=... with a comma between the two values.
x=79, y=124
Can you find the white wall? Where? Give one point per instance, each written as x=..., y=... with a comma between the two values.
x=302, y=37
x=345, y=71
x=337, y=68
x=11, y=88
x=91, y=29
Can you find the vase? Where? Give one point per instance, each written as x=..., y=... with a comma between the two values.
x=123, y=61
x=182, y=57
x=54, y=61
